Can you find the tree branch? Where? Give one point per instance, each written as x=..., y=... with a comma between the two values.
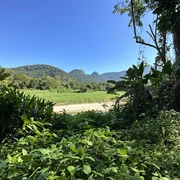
x=134, y=28
x=151, y=34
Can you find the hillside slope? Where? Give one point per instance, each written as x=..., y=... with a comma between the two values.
x=41, y=70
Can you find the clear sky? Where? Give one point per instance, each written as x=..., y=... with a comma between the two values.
x=68, y=34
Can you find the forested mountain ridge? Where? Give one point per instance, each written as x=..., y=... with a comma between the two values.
x=41, y=70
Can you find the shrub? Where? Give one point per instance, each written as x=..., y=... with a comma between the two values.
x=15, y=104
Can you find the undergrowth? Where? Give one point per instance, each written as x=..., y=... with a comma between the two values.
x=37, y=144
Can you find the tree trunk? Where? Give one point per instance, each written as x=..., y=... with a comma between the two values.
x=176, y=42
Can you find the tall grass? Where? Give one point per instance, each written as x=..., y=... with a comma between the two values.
x=72, y=98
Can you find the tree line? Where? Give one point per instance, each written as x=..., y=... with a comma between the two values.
x=21, y=81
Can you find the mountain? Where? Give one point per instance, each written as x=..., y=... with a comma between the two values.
x=40, y=70
x=79, y=74
x=94, y=77
x=113, y=75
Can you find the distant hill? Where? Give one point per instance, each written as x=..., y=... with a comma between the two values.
x=113, y=75
x=40, y=70
x=94, y=77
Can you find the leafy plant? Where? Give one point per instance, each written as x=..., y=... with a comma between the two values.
x=95, y=153
x=136, y=91
x=147, y=94
x=14, y=105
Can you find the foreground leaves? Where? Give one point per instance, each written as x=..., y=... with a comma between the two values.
x=96, y=153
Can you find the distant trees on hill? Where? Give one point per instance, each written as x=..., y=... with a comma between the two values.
x=21, y=81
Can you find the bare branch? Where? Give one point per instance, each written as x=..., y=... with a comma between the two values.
x=161, y=51
x=134, y=27
x=147, y=44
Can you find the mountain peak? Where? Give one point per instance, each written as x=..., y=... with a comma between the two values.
x=95, y=73
x=77, y=71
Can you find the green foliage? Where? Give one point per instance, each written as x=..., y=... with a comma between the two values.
x=3, y=78
x=81, y=121
x=48, y=82
x=168, y=14
x=94, y=153
x=147, y=94
x=45, y=77
x=14, y=105
x=21, y=81
x=90, y=145
x=135, y=87
x=3, y=74
x=166, y=20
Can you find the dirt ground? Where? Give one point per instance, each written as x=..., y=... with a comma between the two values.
x=75, y=108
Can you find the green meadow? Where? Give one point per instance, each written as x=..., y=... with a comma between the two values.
x=72, y=97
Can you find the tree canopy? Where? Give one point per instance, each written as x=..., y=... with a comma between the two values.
x=167, y=20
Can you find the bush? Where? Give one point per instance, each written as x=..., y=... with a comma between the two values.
x=14, y=105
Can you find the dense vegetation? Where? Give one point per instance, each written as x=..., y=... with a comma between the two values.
x=38, y=144
x=138, y=140
x=45, y=77
x=58, y=80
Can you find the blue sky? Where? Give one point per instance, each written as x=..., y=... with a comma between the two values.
x=73, y=34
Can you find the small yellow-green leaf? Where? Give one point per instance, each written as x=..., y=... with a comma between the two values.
x=24, y=152
x=87, y=169
x=123, y=152
x=71, y=170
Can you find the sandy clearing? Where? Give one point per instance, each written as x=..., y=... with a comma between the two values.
x=75, y=108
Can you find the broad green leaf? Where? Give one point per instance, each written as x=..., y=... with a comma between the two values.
x=26, y=158
x=167, y=68
x=164, y=178
x=15, y=158
x=87, y=169
x=89, y=143
x=155, y=178
x=114, y=169
x=108, y=170
x=43, y=151
x=42, y=176
x=3, y=164
x=124, y=170
x=71, y=170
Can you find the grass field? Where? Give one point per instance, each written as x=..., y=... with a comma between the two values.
x=72, y=98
